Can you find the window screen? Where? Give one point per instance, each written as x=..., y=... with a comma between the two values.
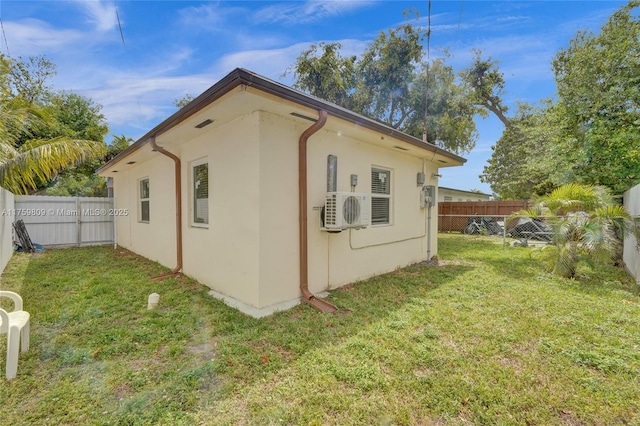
x=200, y=193
x=380, y=196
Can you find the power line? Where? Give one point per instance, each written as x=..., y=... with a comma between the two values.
x=426, y=90
x=120, y=26
x=4, y=34
x=124, y=44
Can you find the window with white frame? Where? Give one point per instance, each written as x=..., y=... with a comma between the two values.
x=200, y=193
x=143, y=196
x=380, y=196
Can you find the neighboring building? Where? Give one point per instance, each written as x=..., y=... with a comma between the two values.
x=451, y=194
x=251, y=225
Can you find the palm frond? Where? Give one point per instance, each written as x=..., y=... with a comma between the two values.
x=41, y=159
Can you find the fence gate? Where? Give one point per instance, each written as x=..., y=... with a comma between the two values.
x=66, y=221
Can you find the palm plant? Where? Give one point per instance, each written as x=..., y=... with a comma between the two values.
x=587, y=226
x=23, y=166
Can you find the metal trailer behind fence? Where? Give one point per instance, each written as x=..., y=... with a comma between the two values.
x=66, y=221
x=524, y=230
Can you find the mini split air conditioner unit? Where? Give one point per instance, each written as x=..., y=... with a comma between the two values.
x=344, y=210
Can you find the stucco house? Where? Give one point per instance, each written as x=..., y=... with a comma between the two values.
x=268, y=195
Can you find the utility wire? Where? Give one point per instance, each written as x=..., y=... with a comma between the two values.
x=426, y=91
x=124, y=44
x=4, y=34
x=120, y=27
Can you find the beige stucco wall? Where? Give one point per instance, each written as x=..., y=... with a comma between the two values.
x=351, y=255
x=250, y=249
x=224, y=255
x=155, y=239
x=334, y=259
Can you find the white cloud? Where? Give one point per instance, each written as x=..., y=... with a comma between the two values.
x=100, y=14
x=210, y=17
x=272, y=63
x=143, y=101
x=29, y=37
x=308, y=11
x=143, y=98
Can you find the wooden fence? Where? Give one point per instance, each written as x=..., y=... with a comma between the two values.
x=452, y=215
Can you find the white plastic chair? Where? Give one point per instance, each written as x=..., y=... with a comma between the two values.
x=16, y=325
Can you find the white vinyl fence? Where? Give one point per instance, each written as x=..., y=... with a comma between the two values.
x=6, y=238
x=631, y=254
x=66, y=221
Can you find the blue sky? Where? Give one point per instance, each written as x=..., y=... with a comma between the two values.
x=172, y=48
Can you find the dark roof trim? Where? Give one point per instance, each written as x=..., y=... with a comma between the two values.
x=241, y=76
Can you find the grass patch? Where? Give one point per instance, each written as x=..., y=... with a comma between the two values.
x=486, y=337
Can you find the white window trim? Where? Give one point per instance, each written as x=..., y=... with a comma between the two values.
x=389, y=196
x=192, y=222
x=140, y=199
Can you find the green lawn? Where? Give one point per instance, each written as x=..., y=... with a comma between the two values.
x=486, y=337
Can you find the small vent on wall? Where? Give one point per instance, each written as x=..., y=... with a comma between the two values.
x=295, y=114
x=204, y=123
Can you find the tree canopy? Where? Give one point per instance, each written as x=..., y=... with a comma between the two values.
x=590, y=133
x=391, y=82
x=45, y=133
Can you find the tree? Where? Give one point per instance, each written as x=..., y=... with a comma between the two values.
x=385, y=73
x=23, y=168
x=26, y=159
x=590, y=135
x=389, y=83
x=322, y=72
x=534, y=155
x=27, y=80
x=598, y=79
x=587, y=226
x=450, y=116
x=486, y=85
x=83, y=181
x=179, y=103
